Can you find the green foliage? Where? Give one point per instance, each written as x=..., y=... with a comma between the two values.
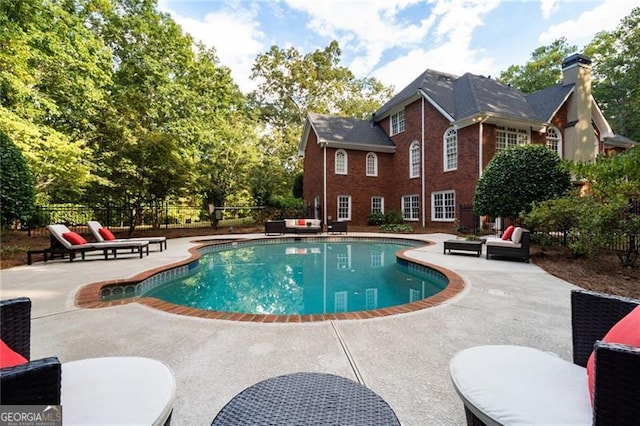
x=393, y=216
x=397, y=228
x=375, y=219
x=543, y=70
x=16, y=184
x=616, y=73
x=517, y=177
x=298, y=189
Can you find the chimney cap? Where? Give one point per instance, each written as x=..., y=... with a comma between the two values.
x=576, y=58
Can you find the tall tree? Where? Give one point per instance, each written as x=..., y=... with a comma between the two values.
x=291, y=84
x=542, y=70
x=616, y=72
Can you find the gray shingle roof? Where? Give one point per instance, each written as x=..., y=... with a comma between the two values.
x=471, y=94
x=349, y=131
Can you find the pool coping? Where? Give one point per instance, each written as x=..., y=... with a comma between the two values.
x=88, y=297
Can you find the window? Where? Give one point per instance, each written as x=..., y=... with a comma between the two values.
x=414, y=159
x=397, y=123
x=450, y=149
x=341, y=162
x=377, y=205
x=372, y=164
x=554, y=140
x=410, y=207
x=443, y=206
x=344, y=207
x=510, y=136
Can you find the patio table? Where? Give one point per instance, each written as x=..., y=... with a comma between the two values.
x=309, y=399
x=464, y=245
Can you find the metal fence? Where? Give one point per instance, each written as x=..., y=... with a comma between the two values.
x=159, y=216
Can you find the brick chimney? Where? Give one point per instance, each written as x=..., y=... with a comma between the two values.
x=580, y=142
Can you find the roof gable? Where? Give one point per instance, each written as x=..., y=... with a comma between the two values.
x=344, y=132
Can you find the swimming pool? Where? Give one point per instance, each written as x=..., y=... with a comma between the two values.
x=299, y=278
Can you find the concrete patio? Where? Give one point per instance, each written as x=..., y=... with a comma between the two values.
x=403, y=358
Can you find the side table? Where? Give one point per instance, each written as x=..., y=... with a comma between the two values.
x=464, y=245
x=309, y=399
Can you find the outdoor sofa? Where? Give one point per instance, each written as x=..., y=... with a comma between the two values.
x=502, y=385
x=513, y=244
x=108, y=390
x=294, y=226
x=102, y=234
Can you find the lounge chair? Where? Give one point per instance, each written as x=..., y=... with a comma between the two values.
x=63, y=242
x=102, y=234
x=504, y=384
x=109, y=390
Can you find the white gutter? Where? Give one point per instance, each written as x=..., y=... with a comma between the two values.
x=422, y=173
x=324, y=183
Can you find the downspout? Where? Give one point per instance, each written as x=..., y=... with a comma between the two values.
x=422, y=170
x=324, y=184
x=480, y=152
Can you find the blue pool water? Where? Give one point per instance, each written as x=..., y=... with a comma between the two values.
x=300, y=278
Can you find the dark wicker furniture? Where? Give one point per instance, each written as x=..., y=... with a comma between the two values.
x=307, y=399
x=38, y=381
x=521, y=253
x=474, y=246
x=274, y=227
x=616, y=392
x=336, y=227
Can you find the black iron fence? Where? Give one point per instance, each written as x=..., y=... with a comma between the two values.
x=158, y=216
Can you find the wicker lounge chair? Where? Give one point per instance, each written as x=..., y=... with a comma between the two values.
x=60, y=245
x=97, y=230
x=520, y=385
x=516, y=247
x=38, y=381
x=110, y=390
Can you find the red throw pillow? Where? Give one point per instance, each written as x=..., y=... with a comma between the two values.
x=507, y=234
x=302, y=222
x=10, y=358
x=106, y=234
x=626, y=332
x=74, y=238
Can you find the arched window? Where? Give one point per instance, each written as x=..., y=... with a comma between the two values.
x=372, y=164
x=554, y=140
x=414, y=159
x=341, y=162
x=450, y=149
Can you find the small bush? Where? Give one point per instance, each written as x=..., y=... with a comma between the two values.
x=393, y=216
x=375, y=219
x=398, y=228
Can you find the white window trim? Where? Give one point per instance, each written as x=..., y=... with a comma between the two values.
x=338, y=208
x=375, y=164
x=414, y=173
x=381, y=203
x=346, y=162
x=558, y=139
x=522, y=135
x=433, y=206
x=417, y=210
x=400, y=124
x=446, y=138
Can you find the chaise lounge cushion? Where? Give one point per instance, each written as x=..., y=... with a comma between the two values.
x=502, y=243
x=106, y=234
x=74, y=238
x=517, y=235
x=521, y=385
x=626, y=332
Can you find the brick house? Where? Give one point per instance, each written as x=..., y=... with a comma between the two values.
x=422, y=152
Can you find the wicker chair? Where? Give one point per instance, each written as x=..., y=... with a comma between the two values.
x=37, y=382
x=616, y=392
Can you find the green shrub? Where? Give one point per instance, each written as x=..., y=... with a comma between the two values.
x=398, y=228
x=393, y=216
x=375, y=219
x=16, y=184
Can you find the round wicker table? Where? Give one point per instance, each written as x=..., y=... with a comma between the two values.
x=307, y=399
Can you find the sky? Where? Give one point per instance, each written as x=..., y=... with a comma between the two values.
x=394, y=40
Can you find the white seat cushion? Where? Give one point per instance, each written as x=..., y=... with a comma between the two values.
x=503, y=243
x=517, y=235
x=511, y=385
x=117, y=391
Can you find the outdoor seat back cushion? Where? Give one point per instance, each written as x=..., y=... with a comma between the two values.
x=521, y=385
